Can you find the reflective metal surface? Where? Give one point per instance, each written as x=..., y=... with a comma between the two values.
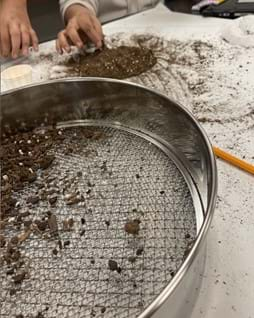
x=151, y=115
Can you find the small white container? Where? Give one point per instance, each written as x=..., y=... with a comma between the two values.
x=16, y=76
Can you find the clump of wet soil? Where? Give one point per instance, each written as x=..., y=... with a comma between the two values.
x=121, y=62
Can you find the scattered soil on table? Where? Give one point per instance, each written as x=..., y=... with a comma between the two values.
x=121, y=62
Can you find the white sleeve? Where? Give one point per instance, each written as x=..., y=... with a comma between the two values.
x=92, y=5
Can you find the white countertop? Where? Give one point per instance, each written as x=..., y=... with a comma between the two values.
x=228, y=284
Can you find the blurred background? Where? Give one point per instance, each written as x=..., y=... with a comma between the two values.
x=47, y=21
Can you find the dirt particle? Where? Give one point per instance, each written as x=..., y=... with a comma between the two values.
x=82, y=232
x=104, y=166
x=92, y=261
x=107, y=222
x=10, y=271
x=132, y=227
x=113, y=266
x=83, y=221
x=79, y=174
x=68, y=224
x=60, y=244
x=103, y=310
x=88, y=191
x=139, y=251
x=66, y=243
x=55, y=251
x=12, y=293
x=18, y=279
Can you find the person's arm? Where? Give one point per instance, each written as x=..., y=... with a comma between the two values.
x=92, y=5
x=82, y=24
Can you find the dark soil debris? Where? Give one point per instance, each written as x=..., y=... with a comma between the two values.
x=12, y=293
x=132, y=227
x=60, y=244
x=107, y=222
x=68, y=224
x=82, y=232
x=66, y=243
x=121, y=62
x=55, y=251
x=139, y=251
x=103, y=310
x=113, y=266
x=18, y=279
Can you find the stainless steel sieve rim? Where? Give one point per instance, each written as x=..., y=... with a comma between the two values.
x=200, y=239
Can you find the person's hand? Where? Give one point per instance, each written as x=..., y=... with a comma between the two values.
x=82, y=27
x=16, y=32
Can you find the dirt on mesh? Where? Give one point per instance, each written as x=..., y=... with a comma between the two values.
x=121, y=62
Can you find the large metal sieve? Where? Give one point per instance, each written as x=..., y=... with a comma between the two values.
x=151, y=163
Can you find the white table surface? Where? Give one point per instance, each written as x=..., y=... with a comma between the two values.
x=228, y=282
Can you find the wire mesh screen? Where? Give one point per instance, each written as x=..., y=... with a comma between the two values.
x=122, y=217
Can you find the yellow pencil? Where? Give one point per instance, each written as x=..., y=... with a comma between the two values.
x=233, y=160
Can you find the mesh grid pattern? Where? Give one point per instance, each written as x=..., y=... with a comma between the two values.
x=123, y=177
